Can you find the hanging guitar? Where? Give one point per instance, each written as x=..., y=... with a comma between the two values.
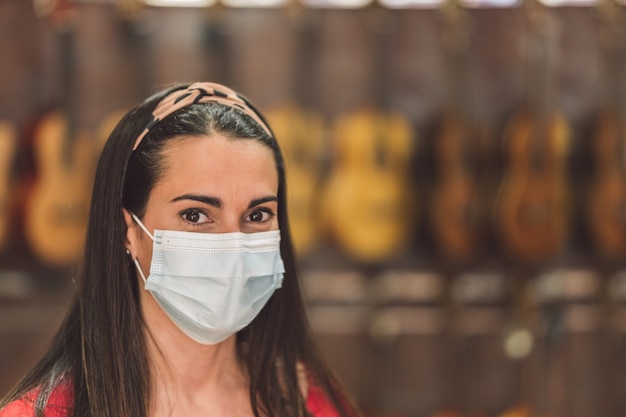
x=457, y=210
x=301, y=137
x=532, y=207
x=135, y=48
x=301, y=133
x=367, y=195
x=606, y=210
x=8, y=147
x=367, y=202
x=56, y=212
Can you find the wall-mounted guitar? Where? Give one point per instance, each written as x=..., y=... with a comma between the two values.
x=301, y=132
x=134, y=47
x=457, y=210
x=55, y=217
x=531, y=210
x=8, y=146
x=367, y=201
x=607, y=199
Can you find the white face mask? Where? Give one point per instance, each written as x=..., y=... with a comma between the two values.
x=213, y=285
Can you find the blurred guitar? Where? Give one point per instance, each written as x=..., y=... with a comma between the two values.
x=607, y=199
x=457, y=210
x=55, y=217
x=58, y=202
x=532, y=209
x=367, y=202
x=300, y=134
x=532, y=213
x=606, y=211
x=458, y=200
x=8, y=146
x=300, y=129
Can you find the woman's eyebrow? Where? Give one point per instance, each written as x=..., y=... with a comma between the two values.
x=211, y=201
x=262, y=200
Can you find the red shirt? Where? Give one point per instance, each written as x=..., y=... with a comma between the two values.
x=61, y=399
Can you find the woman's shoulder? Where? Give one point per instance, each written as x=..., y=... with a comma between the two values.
x=58, y=405
x=317, y=402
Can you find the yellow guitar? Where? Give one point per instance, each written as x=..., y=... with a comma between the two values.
x=58, y=203
x=300, y=134
x=8, y=145
x=368, y=203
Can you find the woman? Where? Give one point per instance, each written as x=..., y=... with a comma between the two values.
x=188, y=302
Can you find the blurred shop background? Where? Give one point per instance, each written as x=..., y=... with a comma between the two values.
x=457, y=177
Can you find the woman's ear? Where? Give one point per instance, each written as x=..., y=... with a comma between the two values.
x=131, y=234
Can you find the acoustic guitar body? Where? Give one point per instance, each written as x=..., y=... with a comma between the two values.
x=367, y=202
x=457, y=207
x=532, y=203
x=8, y=145
x=58, y=203
x=300, y=135
x=607, y=199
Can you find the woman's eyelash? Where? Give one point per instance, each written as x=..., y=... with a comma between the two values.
x=195, y=214
x=264, y=211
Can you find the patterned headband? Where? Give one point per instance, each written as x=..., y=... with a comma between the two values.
x=203, y=92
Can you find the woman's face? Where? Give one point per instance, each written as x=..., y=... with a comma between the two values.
x=209, y=185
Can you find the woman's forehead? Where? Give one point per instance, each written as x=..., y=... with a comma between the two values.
x=220, y=163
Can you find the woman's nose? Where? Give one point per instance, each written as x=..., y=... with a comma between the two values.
x=229, y=224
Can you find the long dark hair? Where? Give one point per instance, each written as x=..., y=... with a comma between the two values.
x=100, y=348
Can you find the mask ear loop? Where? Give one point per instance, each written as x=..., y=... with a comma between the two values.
x=144, y=228
x=135, y=260
x=141, y=274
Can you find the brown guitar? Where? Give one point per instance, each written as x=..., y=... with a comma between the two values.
x=457, y=206
x=607, y=199
x=532, y=207
x=457, y=210
x=8, y=146
x=532, y=203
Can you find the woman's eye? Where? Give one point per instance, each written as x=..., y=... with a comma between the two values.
x=194, y=216
x=260, y=216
